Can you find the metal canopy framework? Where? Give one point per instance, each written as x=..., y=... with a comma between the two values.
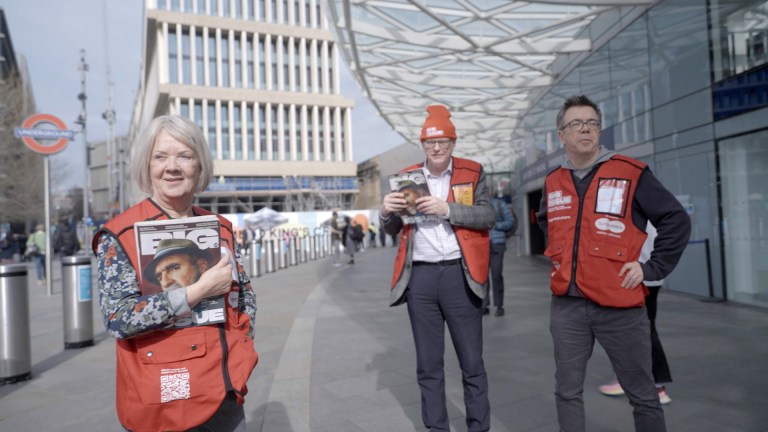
x=483, y=59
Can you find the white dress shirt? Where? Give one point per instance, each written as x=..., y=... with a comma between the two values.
x=435, y=241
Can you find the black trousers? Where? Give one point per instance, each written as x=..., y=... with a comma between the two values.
x=497, y=278
x=438, y=295
x=661, y=373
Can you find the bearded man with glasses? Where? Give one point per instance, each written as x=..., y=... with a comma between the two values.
x=594, y=212
x=441, y=271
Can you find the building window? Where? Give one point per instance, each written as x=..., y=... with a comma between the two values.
x=286, y=65
x=224, y=121
x=238, y=9
x=249, y=60
x=296, y=67
x=742, y=164
x=173, y=61
x=237, y=120
x=310, y=137
x=273, y=64
x=262, y=65
x=262, y=133
x=212, y=129
x=186, y=57
x=225, y=8
x=275, y=133
x=184, y=108
x=321, y=136
x=238, y=62
x=224, y=61
x=287, y=132
x=199, y=115
x=199, y=59
x=297, y=133
x=212, y=61
x=214, y=7
x=739, y=37
x=250, y=138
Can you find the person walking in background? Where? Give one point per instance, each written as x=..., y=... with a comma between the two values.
x=505, y=220
x=350, y=241
x=659, y=365
x=441, y=272
x=36, y=250
x=382, y=236
x=65, y=241
x=372, y=231
x=173, y=377
x=8, y=248
x=338, y=227
x=594, y=212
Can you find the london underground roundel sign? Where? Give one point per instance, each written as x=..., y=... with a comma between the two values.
x=41, y=140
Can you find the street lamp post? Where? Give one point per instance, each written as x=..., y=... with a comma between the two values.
x=82, y=120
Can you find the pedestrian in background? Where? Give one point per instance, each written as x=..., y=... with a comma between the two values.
x=372, y=231
x=659, y=366
x=338, y=228
x=505, y=221
x=594, y=212
x=36, y=251
x=65, y=241
x=441, y=272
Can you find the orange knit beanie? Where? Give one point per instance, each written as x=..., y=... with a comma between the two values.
x=438, y=124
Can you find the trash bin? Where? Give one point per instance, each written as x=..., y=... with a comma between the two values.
x=78, y=301
x=15, y=351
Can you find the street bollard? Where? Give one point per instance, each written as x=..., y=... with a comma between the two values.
x=313, y=247
x=255, y=256
x=269, y=256
x=78, y=301
x=281, y=254
x=15, y=341
x=303, y=244
x=292, y=261
x=321, y=246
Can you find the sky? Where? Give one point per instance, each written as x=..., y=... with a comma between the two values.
x=51, y=33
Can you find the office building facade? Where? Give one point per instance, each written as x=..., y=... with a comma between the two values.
x=261, y=79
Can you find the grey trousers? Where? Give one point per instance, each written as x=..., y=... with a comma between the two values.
x=575, y=323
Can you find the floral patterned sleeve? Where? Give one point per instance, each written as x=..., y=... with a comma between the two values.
x=247, y=298
x=125, y=311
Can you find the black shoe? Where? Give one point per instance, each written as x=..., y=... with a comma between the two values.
x=499, y=311
x=486, y=311
x=351, y=261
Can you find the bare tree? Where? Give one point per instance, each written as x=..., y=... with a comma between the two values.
x=21, y=169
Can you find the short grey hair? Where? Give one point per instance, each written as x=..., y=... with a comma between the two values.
x=181, y=129
x=575, y=101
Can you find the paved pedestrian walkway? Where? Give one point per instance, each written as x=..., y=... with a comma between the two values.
x=335, y=358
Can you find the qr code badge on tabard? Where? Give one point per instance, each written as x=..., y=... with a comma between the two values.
x=174, y=384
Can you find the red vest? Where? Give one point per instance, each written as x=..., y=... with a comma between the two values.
x=211, y=359
x=591, y=240
x=474, y=244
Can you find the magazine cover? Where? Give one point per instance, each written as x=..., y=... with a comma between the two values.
x=413, y=184
x=174, y=253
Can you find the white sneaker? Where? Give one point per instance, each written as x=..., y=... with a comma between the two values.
x=663, y=396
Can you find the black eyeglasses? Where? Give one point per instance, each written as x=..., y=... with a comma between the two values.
x=430, y=144
x=576, y=125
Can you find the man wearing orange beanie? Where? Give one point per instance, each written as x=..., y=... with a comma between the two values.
x=441, y=271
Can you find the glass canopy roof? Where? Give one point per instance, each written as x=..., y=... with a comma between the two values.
x=486, y=60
